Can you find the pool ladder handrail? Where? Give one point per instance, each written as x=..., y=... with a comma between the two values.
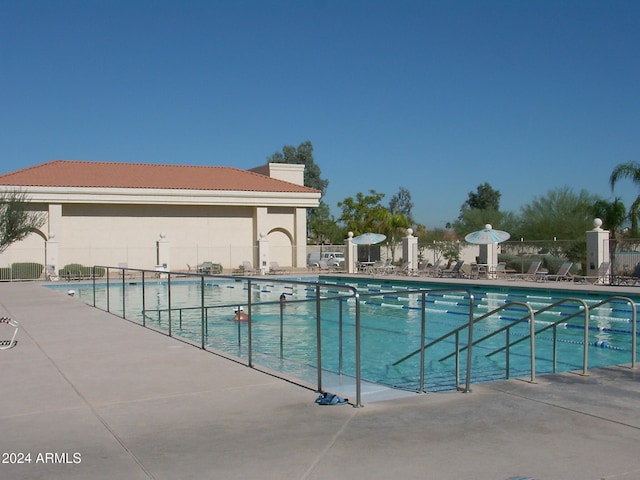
x=456, y=332
x=586, y=311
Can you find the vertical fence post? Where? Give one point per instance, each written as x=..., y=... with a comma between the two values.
x=467, y=387
x=124, y=306
x=423, y=331
x=281, y=330
x=202, y=312
x=318, y=339
x=94, y=287
x=169, y=300
x=249, y=326
x=340, y=337
x=108, y=290
x=358, y=373
x=144, y=306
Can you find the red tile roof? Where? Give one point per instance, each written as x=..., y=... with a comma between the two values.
x=72, y=173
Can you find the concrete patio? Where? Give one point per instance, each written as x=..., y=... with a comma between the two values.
x=87, y=395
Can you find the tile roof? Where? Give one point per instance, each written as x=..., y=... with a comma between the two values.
x=73, y=173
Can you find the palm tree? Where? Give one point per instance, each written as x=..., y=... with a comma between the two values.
x=629, y=170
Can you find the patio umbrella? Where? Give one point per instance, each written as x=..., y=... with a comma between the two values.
x=369, y=239
x=487, y=236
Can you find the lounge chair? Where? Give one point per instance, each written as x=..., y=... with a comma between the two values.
x=7, y=344
x=454, y=272
x=500, y=270
x=629, y=280
x=247, y=269
x=384, y=268
x=601, y=277
x=531, y=274
x=562, y=274
x=431, y=270
x=405, y=270
x=276, y=269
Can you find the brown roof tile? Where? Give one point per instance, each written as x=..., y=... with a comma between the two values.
x=73, y=173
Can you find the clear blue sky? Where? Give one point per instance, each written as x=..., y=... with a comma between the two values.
x=434, y=96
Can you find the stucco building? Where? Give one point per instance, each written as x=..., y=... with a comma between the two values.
x=102, y=213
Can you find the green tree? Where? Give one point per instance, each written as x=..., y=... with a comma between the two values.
x=401, y=203
x=393, y=225
x=16, y=220
x=630, y=170
x=362, y=214
x=561, y=214
x=302, y=155
x=484, y=198
x=323, y=227
x=613, y=215
x=480, y=208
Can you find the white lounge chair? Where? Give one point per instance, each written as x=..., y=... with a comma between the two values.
x=562, y=274
x=7, y=344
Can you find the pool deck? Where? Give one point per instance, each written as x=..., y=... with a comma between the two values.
x=91, y=396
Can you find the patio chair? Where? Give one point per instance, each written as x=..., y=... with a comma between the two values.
x=247, y=269
x=275, y=269
x=500, y=270
x=531, y=274
x=476, y=271
x=431, y=270
x=562, y=274
x=629, y=280
x=384, y=268
x=602, y=276
x=454, y=272
x=405, y=270
x=7, y=344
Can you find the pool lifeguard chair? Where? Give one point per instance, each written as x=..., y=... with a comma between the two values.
x=7, y=344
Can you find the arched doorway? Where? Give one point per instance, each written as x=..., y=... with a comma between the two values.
x=281, y=247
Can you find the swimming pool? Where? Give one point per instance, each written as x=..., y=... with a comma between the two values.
x=285, y=339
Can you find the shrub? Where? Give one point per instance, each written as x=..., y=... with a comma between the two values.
x=26, y=271
x=77, y=270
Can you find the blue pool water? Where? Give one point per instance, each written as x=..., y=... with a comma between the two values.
x=390, y=327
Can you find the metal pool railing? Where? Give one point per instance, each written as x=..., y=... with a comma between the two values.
x=127, y=277
x=168, y=316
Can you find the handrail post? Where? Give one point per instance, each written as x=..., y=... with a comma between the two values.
x=169, y=300
x=507, y=362
x=281, y=330
x=340, y=324
x=249, y=326
x=532, y=343
x=585, y=360
x=467, y=387
x=358, y=372
x=634, y=328
x=318, y=340
x=144, y=307
x=108, y=290
x=123, y=296
x=422, y=339
x=202, y=312
x=94, y=287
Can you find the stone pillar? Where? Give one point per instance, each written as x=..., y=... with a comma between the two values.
x=263, y=254
x=350, y=254
x=410, y=250
x=597, y=249
x=163, y=254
